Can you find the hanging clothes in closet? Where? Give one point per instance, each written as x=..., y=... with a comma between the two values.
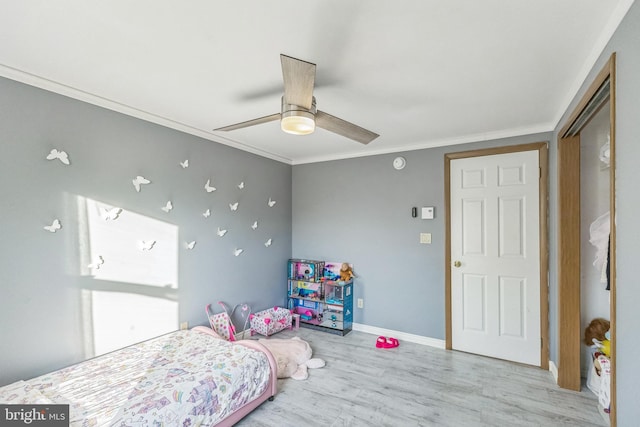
x=599, y=236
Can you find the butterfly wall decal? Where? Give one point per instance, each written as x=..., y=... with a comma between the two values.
x=60, y=155
x=271, y=202
x=146, y=245
x=191, y=245
x=97, y=263
x=55, y=226
x=233, y=206
x=208, y=187
x=185, y=164
x=110, y=214
x=221, y=232
x=167, y=208
x=138, y=181
x=207, y=213
x=268, y=243
x=254, y=225
x=241, y=185
x=237, y=252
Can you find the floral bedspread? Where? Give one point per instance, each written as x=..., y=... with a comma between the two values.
x=186, y=378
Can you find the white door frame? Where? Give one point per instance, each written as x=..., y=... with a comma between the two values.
x=542, y=148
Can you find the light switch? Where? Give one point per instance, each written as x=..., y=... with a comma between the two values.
x=425, y=238
x=427, y=212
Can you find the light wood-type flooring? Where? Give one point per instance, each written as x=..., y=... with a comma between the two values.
x=417, y=385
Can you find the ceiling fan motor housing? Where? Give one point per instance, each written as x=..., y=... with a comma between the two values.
x=296, y=119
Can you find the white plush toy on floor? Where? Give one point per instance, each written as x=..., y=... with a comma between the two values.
x=293, y=357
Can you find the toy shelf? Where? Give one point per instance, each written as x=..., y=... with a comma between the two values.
x=322, y=302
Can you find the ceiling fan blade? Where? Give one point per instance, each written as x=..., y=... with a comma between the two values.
x=321, y=81
x=299, y=77
x=344, y=128
x=253, y=122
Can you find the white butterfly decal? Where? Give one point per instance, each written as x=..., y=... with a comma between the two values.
x=254, y=225
x=207, y=213
x=238, y=252
x=60, y=155
x=146, y=245
x=185, y=164
x=55, y=226
x=167, y=208
x=208, y=186
x=233, y=206
x=190, y=245
x=97, y=263
x=138, y=181
x=241, y=185
x=271, y=202
x=267, y=243
x=221, y=232
x=110, y=214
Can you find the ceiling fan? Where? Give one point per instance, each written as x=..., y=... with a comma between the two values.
x=298, y=114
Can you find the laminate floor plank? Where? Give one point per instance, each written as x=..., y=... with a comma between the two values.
x=416, y=385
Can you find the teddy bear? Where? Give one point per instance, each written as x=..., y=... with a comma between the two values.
x=597, y=333
x=346, y=272
x=293, y=357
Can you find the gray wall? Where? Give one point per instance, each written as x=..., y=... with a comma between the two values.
x=41, y=280
x=359, y=211
x=625, y=42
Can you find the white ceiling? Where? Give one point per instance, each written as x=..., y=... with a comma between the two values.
x=420, y=73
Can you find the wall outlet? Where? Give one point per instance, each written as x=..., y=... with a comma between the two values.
x=360, y=303
x=184, y=325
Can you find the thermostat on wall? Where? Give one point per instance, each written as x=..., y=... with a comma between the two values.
x=427, y=212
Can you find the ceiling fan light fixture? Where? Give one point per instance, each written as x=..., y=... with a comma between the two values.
x=298, y=123
x=298, y=120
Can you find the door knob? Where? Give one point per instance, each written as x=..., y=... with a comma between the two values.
x=457, y=264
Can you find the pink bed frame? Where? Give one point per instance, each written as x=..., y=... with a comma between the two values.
x=268, y=393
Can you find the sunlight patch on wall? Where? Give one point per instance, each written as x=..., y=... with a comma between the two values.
x=132, y=289
x=121, y=319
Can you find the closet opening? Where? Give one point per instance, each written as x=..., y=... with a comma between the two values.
x=586, y=191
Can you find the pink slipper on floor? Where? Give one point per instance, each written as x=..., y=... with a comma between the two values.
x=384, y=342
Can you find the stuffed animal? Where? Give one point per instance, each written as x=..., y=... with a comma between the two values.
x=597, y=333
x=346, y=273
x=596, y=329
x=293, y=357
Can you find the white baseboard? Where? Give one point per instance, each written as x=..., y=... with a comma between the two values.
x=418, y=339
x=554, y=370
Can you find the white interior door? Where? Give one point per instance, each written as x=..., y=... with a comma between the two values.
x=495, y=271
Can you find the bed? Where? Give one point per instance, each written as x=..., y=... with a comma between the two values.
x=189, y=377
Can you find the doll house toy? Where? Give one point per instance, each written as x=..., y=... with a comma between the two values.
x=306, y=270
x=270, y=321
x=324, y=303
